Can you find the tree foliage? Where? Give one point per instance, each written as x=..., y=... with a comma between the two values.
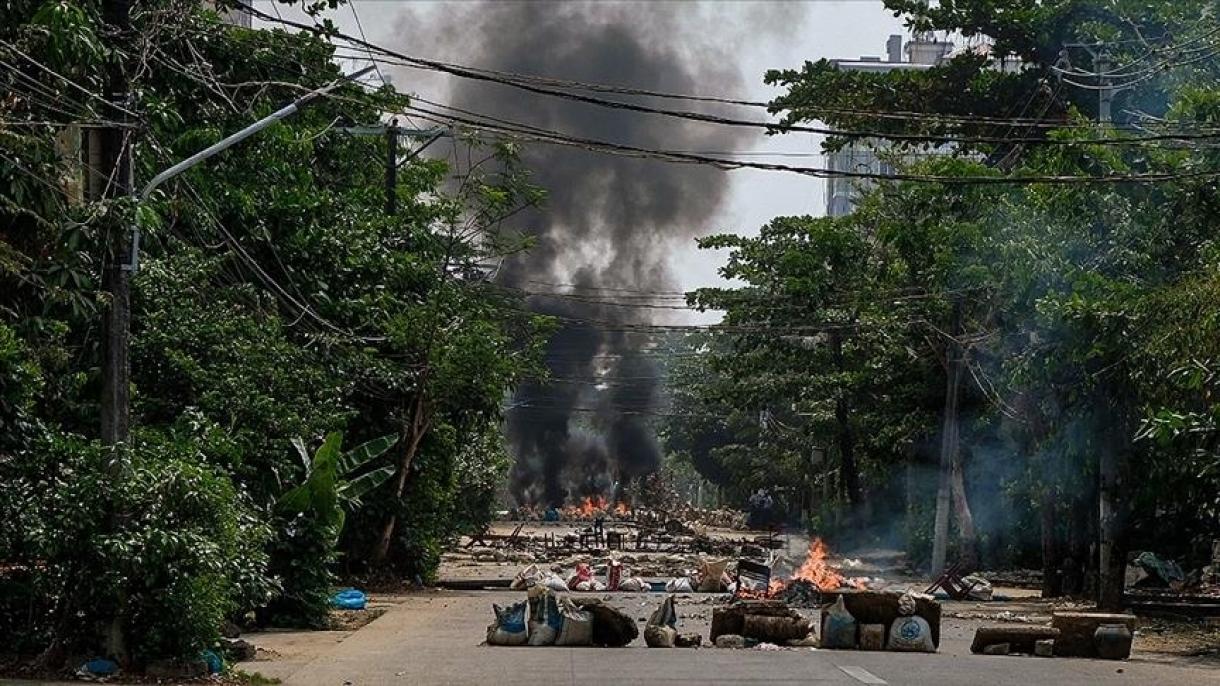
x=275, y=299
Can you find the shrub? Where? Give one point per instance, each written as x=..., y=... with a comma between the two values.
x=149, y=546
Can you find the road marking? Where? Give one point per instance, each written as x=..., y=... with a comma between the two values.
x=862, y=675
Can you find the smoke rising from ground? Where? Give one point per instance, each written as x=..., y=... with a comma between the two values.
x=608, y=222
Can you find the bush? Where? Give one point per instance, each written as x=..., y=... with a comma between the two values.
x=158, y=547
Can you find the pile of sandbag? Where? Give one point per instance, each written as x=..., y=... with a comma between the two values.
x=532, y=576
x=544, y=619
x=583, y=579
x=907, y=631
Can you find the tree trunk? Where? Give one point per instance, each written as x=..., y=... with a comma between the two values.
x=1052, y=579
x=413, y=434
x=967, y=536
x=948, y=447
x=846, y=438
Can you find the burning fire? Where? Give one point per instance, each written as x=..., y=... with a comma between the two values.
x=815, y=570
x=588, y=508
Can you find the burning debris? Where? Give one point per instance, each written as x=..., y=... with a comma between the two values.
x=804, y=585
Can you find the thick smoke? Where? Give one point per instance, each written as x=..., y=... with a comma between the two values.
x=608, y=222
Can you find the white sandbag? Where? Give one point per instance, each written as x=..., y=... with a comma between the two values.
x=577, y=625
x=911, y=635
x=634, y=584
x=980, y=588
x=510, y=627
x=679, y=584
x=554, y=582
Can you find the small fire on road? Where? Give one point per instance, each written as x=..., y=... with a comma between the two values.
x=816, y=570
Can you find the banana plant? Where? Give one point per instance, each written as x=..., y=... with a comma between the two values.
x=330, y=487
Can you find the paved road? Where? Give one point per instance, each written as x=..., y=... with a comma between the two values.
x=434, y=639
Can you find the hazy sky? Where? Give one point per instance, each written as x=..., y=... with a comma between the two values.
x=811, y=30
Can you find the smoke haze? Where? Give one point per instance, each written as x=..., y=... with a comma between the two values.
x=608, y=222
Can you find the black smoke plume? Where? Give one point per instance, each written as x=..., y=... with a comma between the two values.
x=608, y=222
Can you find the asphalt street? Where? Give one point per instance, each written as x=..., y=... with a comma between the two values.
x=435, y=639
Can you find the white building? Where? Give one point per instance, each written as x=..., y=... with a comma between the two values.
x=922, y=52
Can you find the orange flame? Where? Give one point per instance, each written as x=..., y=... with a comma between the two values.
x=589, y=507
x=621, y=510
x=817, y=570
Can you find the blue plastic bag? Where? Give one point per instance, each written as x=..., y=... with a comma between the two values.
x=215, y=664
x=100, y=666
x=349, y=599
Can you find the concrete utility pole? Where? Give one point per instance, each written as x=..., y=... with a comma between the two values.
x=948, y=444
x=1111, y=560
x=393, y=134
x=116, y=145
x=116, y=370
x=391, y=168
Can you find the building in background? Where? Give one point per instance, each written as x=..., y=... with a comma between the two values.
x=924, y=51
x=235, y=16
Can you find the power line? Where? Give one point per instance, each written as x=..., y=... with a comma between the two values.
x=595, y=145
x=499, y=78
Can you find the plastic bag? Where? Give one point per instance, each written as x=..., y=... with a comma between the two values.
x=583, y=575
x=911, y=635
x=679, y=584
x=510, y=627
x=526, y=578
x=349, y=599
x=577, y=625
x=545, y=621
x=838, y=626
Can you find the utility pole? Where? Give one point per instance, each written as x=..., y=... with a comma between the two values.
x=393, y=133
x=125, y=260
x=1111, y=456
x=948, y=443
x=116, y=144
x=391, y=168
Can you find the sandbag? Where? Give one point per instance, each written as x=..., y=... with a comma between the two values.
x=911, y=635
x=526, y=578
x=679, y=584
x=838, y=626
x=510, y=627
x=660, y=631
x=657, y=636
x=545, y=621
x=577, y=625
x=554, y=582
x=712, y=575
x=666, y=614
x=634, y=584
